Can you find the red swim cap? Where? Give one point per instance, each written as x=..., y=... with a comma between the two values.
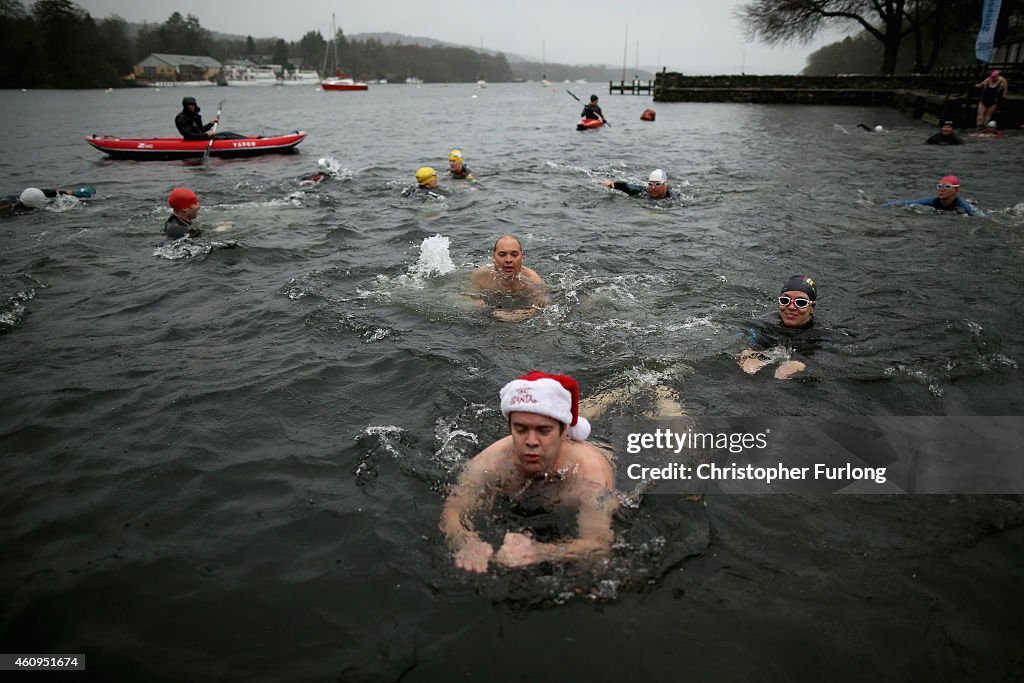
x=180, y=198
x=951, y=179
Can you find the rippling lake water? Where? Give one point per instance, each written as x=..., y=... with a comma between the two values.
x=228, y=463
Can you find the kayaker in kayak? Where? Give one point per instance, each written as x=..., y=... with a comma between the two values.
x=32, y=198
x=593, y=111
x=457, y=168
x=657, y=186
x=186, y=207
x=190, y=123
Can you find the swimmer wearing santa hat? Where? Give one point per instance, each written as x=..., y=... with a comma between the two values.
x=546, y=453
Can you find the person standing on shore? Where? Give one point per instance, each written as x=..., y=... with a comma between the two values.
x=993, y=89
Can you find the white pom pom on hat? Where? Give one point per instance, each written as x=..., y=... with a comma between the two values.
x=554, y=396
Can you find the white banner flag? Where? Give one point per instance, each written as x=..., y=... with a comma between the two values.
x=987, y=33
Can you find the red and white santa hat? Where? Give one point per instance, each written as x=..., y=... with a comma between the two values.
x=554, y=396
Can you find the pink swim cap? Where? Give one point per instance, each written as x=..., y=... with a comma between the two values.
x=950, y=179
x=995, y=74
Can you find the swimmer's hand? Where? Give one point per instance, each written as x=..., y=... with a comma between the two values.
x=752, y=361
x=608, y=183
x=788, y=369
x=474, y=556
x=517, y=550
x=224, y=227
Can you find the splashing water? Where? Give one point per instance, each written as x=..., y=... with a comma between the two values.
x=434, y=260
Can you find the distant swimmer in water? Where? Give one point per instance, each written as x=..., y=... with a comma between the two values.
x=32, y=198
x=656, y=188
x=793, y=326
x=186, y=207
x=457, y=168
x=990, y=129
x=326, y=168
x=949, y=198
x=545, y=463
x=426, y=184
x=877, y=129
x=945, y=136
x=516, y=291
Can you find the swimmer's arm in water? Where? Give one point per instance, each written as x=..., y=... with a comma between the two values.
x=470, y=552
x=752, y=362
x=622, y=186
x=597, y=504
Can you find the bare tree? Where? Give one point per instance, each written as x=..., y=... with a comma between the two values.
x=785, y=21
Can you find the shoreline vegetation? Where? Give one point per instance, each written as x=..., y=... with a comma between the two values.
x=58, y=44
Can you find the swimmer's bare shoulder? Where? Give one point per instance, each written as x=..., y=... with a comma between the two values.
x=491, y=467
x=531, y=275
x=591, y=463
x=482, y=277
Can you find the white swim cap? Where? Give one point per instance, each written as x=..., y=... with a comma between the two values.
x=879, y=129
x=321, y=163
x=657, y=175
x=34, y=197
x=991, y=124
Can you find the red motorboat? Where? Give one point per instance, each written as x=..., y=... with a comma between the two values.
x=177, y=148
x=587, y=124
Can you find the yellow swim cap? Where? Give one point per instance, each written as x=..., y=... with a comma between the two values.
x=424, y=175
x=455, y=154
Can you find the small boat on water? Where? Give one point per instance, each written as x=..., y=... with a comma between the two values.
x=338, y=83
x=587, y=124
x=300, y=77
x=162, y=149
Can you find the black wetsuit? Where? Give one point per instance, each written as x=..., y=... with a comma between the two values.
x=466, y=174
x=11, y=204
x=592, y=111
x=768, y=332
x=635, y=189
x=177, y=227
x=940, y=139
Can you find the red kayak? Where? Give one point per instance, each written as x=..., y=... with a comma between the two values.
x=177, y=148
x=586, y=124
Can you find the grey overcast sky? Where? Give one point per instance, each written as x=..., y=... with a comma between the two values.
x=693, y=36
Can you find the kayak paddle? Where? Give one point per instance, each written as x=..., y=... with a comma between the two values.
x=209, y=145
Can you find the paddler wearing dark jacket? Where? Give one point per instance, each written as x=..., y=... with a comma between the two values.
x=190, y=123
x=593, y=110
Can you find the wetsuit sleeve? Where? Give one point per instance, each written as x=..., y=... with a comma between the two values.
x=628, y=188
x=924, y=201
x=964, y=206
